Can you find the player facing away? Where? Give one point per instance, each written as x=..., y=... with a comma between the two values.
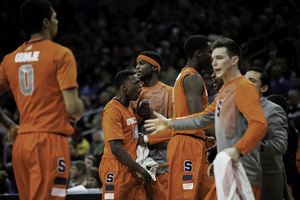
x=120, y=126
x=236, y=112
x=42, y=77
x=157, y=96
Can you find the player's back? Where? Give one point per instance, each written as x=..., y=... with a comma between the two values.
x=180, y=108
x=37, y=72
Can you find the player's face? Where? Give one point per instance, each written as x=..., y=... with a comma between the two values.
x=134, y=87
x=92, y=182
x=143, y=69
x=205, y=62
x=53, y=24
x=221, y=62
x=254, y=77
x=217, y=82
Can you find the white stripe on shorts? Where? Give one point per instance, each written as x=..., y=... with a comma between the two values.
x=59, y=192
x=188, y=186
x=109, y=196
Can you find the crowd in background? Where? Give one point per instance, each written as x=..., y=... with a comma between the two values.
x=107, y=36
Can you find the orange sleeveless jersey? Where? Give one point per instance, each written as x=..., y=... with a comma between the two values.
x=180, y=108
x=160, y=97
x=36, y=73
x=119, y=123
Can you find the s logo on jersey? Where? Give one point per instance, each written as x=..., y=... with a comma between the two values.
x=131, y=120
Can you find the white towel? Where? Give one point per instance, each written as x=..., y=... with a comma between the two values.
x=145, y=161
x=231, y=180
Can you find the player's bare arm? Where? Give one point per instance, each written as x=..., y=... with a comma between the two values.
x=74, y=105
x=193, y=87
x=123, y=156
x=10, y=126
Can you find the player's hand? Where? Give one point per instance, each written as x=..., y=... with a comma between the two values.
x=145, y=176
x=162, y=166
x=12, y=133
x=234, y=153
x=73, y=119
x=210, y=145
x=141, y=140
x=144, y=108
x=210, y=171
x=159, y=124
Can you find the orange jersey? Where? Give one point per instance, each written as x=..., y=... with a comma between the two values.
x=36, y=73
x=160, y=97
x=119, y=123
x=180, y=108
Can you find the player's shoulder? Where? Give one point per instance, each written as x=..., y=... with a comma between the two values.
x=242, y=83
x=167, y=87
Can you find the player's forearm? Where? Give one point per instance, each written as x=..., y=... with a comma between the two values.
x=254, y=134
x=5, y=121
x=163, y=136
x=123, y=156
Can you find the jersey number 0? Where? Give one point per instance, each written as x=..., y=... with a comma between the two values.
x=26, y=79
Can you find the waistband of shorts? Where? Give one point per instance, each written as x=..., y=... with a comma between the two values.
x=191, y=135
x=61, y=134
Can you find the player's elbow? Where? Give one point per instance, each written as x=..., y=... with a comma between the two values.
x=75, y=109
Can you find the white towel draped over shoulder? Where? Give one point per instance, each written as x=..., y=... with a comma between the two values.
x=145, y=161
x=231, y=180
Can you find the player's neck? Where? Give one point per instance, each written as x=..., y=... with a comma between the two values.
x=151, y=81
x=231, y=76
x=40, y=35
x=193, y=63
x=122, y=98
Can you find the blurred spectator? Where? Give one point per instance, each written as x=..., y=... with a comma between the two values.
x=90, y=161
x=93, y=179
x=287, y=72
x=74, y=153
x=279, y=85
x=97, y=145
x=82, y=145
x=77, y=174
x=12, y=185
x=3, y=183
x=293, y=104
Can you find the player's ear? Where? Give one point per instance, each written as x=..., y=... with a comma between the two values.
x=264, y=89
x=123, y=87
x=46, y=22
x=154, y=68
x=197, y=53
x=235, y=60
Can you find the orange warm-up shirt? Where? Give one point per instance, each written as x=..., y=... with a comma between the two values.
x=119, y=123
x=239, y=122
x=180, y=108
x=36, y=73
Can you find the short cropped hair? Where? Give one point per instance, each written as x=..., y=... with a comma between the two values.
x=33, y=12
x=264, y=76
x=233, y=48
x=122, y=76
x=155, y=56
x=194, y=43
x=80, y=165
x=279, y=100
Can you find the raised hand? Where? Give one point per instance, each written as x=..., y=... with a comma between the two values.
x=159, y=124
x=144, y=108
